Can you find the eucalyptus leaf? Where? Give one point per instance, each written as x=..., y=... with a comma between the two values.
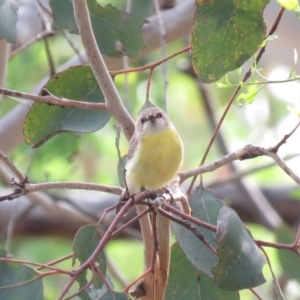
x=117, y=32
x=240, y=260
x=186, y=282
x=19, y=282
x=85, y=242
x=44, y=121
x=8, y=19
x=205, y=207
x=225, y=34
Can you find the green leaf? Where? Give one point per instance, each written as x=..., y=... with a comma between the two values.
x=114, y=296
x=8, y=19
x=267, y=39
x=104, y=294
x=205, y=207
x=240, y=260
x=110, y=25
x=289, y=261
x=289, y=4
x=293, y=110
x=63, y=16
x=44, y=121
x=185, y=282
x=249, y=95
x=221, y=85
x=225, y=34
x=16, y=282
x=85, y=242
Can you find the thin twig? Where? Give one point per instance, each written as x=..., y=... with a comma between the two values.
x=36, y=38
x=99, y=272
x=49, y=57
x=249, y=171
x=30, y=187
x=148, y=84
x=151, y=66
x=72, y=45
x=249, y=151
x=284, y=139
x=256, y=294
x=86, y=286
x=40, y=266
x=25, y=188
x=273, y=275
x=12, y=167
x=50, y=99
x=196, y=221
x=190, y=227
x=282, y=165
x=132, y=221
x=290, y=247
x=54, y=262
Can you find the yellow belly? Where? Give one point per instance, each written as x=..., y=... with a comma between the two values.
x=155, y=162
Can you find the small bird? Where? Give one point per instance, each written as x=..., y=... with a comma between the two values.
x=155, y=152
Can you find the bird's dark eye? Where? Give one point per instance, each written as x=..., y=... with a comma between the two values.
x=159, y=115
x=143, y=120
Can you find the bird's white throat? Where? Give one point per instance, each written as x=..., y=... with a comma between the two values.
x=156, y=126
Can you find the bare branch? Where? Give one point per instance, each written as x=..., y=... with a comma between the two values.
x=113, y=101
x=4, y=46
x=249, y=151
x=241, y=174
x=237, y=155
x=50, y=99
x=12, y=167
x=284, y=139
x=29, y=187
x=190, y=227
x=282, y=165
x=36, y=38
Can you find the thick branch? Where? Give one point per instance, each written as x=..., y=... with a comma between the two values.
x=113, y=101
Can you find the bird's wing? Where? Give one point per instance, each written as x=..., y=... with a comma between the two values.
x=132, y=147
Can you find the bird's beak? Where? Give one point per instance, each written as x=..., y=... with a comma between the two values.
x=152, y=119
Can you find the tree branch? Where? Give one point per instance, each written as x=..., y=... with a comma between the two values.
x=50, y=99
x=113, y=101
x=12, y=167
x=4, y=46
x=249, y=151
